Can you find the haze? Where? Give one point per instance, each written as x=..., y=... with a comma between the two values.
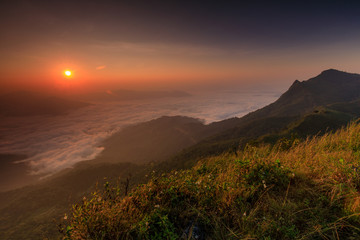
x=172, y=44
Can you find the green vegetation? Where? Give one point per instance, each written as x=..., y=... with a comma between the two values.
x=309, y=190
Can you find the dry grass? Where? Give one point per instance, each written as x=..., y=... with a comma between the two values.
x=307, y=192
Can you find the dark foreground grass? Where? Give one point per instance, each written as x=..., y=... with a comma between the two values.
x=310, y=191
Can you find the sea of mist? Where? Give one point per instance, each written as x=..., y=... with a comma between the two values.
x=54, y=143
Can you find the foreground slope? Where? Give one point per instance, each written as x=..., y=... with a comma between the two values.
x=28, y=213
x=310, y=191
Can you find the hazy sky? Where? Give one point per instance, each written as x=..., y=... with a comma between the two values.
x=122, y=44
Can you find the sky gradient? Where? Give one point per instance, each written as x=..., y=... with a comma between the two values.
x=169, y=44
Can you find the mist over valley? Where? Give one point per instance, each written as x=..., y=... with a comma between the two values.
x=52, y=143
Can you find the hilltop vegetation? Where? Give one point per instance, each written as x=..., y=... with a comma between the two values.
x=297, y=190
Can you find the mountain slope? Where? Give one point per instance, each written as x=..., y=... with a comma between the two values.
x=331, y=86
x=307, y=192
x=153, y=141
x=302, y=98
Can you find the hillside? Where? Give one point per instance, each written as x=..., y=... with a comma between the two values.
x=331, y=88
x=152, y=141
x=30, y=104
x=33, y=212
x=307, y=192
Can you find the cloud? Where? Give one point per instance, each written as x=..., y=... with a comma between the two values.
x=100, y=67
x=56, y=143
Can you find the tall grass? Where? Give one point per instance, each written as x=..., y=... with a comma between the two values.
x=309, y=191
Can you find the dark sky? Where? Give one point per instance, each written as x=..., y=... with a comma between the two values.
x=123, y=42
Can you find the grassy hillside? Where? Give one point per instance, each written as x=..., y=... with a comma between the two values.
x=321, y=120
x=270, y=130
x=43, y=204
x=34, y=212
x=310, y=191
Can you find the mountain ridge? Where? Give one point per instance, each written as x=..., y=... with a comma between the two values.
x=305, y=95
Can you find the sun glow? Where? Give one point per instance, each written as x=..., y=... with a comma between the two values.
x=67, y=73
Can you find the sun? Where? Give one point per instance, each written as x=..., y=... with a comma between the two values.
x=67, y=73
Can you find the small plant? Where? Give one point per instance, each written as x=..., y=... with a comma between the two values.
x=268, y=175
x=157, y=226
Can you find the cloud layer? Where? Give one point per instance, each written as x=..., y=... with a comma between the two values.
x=55, y=143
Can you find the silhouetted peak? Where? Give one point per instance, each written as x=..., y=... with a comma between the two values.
x=334, y=73
x=333, y=76
x=331, y=70
x=295, y=84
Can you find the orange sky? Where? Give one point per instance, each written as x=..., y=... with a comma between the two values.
x=129, y=65
x=172, y=45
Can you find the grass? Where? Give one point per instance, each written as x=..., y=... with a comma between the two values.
x=307, y=191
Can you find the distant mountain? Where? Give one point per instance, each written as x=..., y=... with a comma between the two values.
x=153, y=141
x=331, y=86
x=331, y=89
x=24, y=103
x=123, y=94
